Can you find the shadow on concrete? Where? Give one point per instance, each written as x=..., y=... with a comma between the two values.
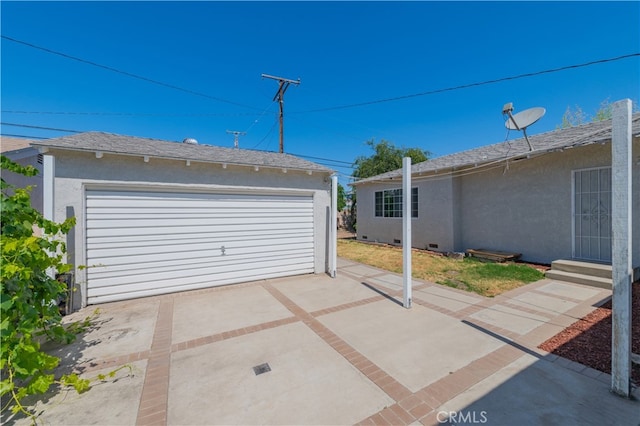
x=70, y=355
x=534, y=391
x=382, y=293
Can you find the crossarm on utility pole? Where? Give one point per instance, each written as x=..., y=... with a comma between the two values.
x=283, y=85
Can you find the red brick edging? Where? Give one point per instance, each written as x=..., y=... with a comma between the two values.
x=155, y=391
x=409, y=406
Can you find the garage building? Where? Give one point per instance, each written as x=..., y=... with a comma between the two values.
x=156, y=217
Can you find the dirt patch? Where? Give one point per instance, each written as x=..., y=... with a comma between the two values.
x=542, y=267
x=588, y=340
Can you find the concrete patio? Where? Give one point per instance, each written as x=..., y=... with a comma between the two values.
x=340, y=351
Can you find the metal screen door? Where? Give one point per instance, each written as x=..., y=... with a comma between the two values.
x=592, y=214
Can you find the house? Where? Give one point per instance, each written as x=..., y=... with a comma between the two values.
x=549, y=203
x=20, y=151
x=155, y=217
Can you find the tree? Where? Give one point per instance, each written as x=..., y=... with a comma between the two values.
x=342, y=201
x=576, y=117
x=605, y=112
x=386, y=157
x=572, y=118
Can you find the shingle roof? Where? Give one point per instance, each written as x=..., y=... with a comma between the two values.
x=13, y=144
x=129, y=145
x=585, y=134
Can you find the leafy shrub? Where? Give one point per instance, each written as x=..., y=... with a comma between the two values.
x=29, y=292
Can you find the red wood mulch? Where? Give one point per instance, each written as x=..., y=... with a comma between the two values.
x=588, y=340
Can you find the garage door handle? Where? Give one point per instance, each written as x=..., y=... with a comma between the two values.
x=222, y=249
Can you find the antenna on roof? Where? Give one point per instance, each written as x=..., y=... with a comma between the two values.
x=523, y=119
x=235, y=134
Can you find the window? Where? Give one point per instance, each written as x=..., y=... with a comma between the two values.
x=388, y=203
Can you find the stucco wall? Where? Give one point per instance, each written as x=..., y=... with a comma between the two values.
x=370, y=228
x=434, y=224
x=74, y=171
x=527, y=209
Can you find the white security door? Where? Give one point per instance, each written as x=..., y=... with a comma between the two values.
x=592, y=214
x=148, y=243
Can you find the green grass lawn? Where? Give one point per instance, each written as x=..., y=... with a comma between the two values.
x=470, y=274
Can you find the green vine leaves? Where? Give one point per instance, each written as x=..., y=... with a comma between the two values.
x=29, y=296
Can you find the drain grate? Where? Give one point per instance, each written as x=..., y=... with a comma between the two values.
x=262, y=368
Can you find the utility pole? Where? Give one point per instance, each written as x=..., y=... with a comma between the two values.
x=235, y=134
x=283, y=85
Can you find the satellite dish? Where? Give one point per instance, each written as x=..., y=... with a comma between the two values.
x=523, y=119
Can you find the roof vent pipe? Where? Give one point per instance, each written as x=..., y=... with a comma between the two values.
x=190, y=141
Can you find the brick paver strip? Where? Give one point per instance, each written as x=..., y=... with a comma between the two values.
x=531, y=310
x=155, y=390
x=387, y=383
x=409, y=407
x=434, y=307
x=346, y=306
x=356, y=276
x=556, y=296
x=205, y=340
x=421, y=405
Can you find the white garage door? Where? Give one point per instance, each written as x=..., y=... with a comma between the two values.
x=148, y=243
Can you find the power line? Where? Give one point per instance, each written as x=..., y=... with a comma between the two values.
x=128, y=74
x=324, y=159
x=319, y=127
x=266, y=136
x=333, y=165
x=28, y=126
x=13, y=135
x=466, y=86
x=145, y=114
x=258, y=119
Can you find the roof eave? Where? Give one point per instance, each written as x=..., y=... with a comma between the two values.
x=47, y=147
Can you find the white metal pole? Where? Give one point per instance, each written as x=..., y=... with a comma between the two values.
x=621, y=248
x=333, y=264
x=406, y=232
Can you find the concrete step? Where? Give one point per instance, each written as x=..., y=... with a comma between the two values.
x=584, y=268
x=573, y=277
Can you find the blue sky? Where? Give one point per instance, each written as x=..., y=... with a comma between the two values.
x=345, y=53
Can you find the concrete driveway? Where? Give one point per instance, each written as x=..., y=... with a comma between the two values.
x=320, y=351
